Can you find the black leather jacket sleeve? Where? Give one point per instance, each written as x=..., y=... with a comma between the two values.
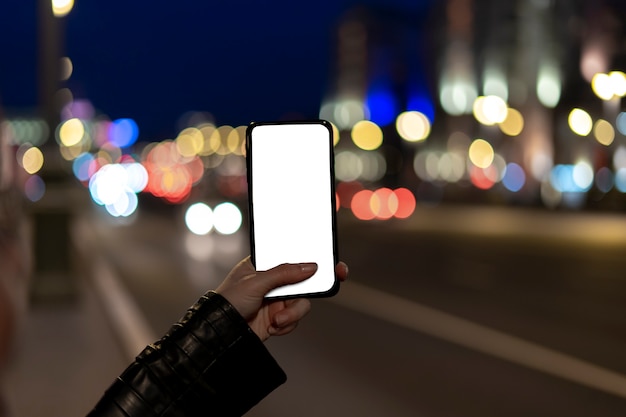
x=210, y=363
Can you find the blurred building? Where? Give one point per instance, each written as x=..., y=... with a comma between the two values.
x=522, y=98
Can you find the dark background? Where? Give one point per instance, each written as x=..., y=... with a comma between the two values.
x=153, y=61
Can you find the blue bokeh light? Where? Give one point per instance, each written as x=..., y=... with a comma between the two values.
x=123, y=132
x=514, y=177
x=423, y=104
x=382, y=106
x=81, y=166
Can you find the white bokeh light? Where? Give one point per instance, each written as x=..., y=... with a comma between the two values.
x=227, y=218
x=199, y=218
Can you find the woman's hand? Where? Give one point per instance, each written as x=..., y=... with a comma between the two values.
x=245, y=289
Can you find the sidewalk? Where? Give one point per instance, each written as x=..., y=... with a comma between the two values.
x=66, y=354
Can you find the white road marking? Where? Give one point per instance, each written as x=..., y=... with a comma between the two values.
x=129, y=322
x=471, y=335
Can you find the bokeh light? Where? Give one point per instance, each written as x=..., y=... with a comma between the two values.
x=513, y=124
x=413, y=126
x=360, y=205
x=34, y=188
x=514, y=177
x=481, y=153
x=601, y=86
x=123, y=132
x=367, y=135
x=32, y=160
x=604, y=179
x=227, y=218
x=580, y=122
x=549, y=84
x=61, y=8
x=199, y=218
x=489, y=110
x=384, y=203
x=621, y=123
x=71, y=132
x=406, y=203
x=604, y=132
x=82, y=166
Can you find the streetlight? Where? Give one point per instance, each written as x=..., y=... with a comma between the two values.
x=61, y=8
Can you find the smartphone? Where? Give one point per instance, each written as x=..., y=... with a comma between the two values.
x=291, y=196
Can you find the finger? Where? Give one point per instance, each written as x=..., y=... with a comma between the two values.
x=284, y=274
x=283, y=330
x=293, y=312
x=341, y=270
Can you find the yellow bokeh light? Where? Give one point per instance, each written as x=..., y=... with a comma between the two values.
x=618, y=83
x=224, y=133
x=235, y=139
x=481, y=153
x=66, y=68
x=495, y=109
x=190, y=142
x=367, y=135
x=513, y=124
x=477, y=110
x=413, y=126
x=69, y=153
x=604, y=132
x=602, y=86
x=489, y=110
x=71, y=132
x=32, y=160
x=211, y=139
x=335, y=134
x=61, y=8
x=580, y=122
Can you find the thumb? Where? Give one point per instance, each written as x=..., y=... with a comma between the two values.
x=285, y=274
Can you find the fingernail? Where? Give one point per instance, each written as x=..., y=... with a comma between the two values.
x=308, y=267
x=279, y=321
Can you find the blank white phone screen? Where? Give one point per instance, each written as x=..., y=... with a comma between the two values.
x=292, y=203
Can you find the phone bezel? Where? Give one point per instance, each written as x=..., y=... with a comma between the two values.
x=333, y=202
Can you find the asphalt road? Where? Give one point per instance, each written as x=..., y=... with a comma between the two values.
x=455, y=312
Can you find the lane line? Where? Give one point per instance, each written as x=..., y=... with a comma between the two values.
x=474, y=336
x=128, y=322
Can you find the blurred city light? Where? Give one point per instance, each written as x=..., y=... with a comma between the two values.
x=481, y=153
x=112, y=187
x=199, y=218
x=580, y=122
x=71, y=132
x=604, y=179
x=34, y=188
x=66, y=68
x=367, y=135
x=382, y=106
x=602, y=86
x=376, y=82
x=61, y=8
x=549, y=84
x=513, y=124
x=490, y=110
x=604, y=132
x=32, y=160
x=227, y=217
x=123, y=132
x=514, y=177
x=413, y=126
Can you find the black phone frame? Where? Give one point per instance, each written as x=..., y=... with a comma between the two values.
x=335, y=288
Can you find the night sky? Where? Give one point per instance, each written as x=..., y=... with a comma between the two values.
x=155, y=60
